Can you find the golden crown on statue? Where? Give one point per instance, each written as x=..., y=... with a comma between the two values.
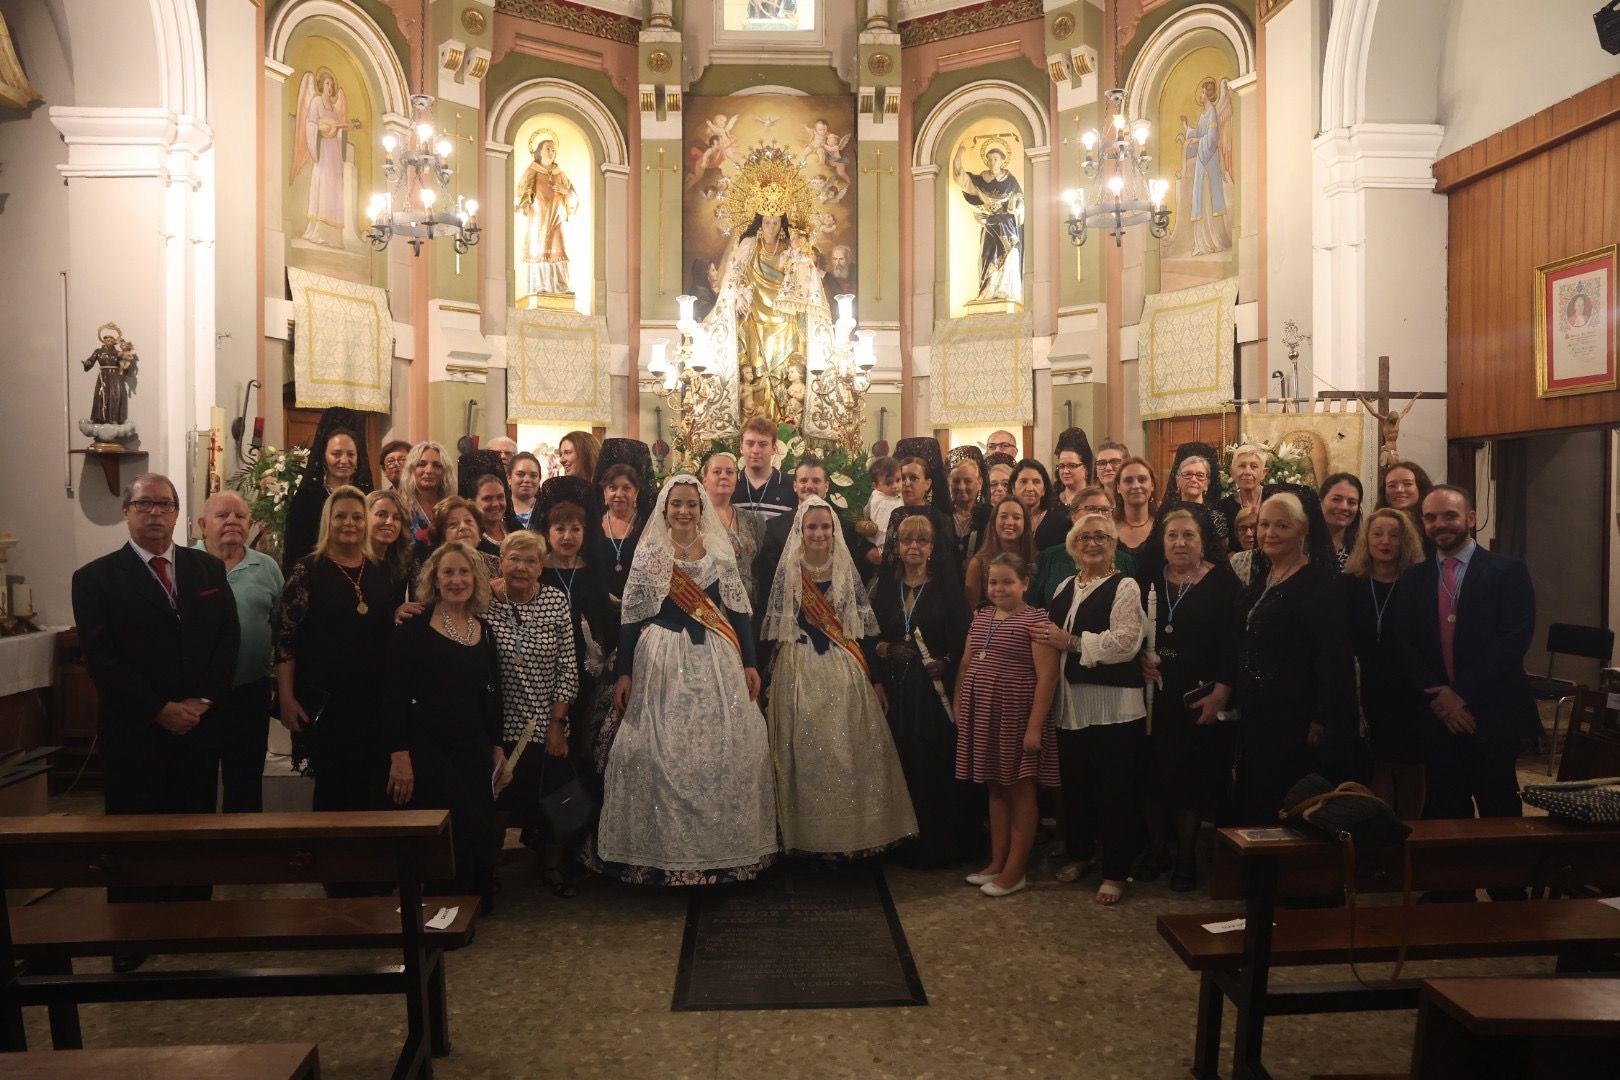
x=768, y=182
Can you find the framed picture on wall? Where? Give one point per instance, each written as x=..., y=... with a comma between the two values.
x=1576, y=324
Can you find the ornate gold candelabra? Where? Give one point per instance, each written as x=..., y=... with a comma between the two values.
x=691, y=389
x=840, y=379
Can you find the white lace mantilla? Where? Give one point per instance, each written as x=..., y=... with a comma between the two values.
x=846, y=595
x=647, y=586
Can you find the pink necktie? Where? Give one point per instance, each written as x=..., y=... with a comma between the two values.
x=1448, y=614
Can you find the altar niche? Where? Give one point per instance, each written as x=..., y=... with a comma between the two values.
x=985, y=182
x=553, y=215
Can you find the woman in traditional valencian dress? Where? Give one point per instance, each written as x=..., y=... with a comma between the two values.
x=839, y=786
x=546, y=199
x=688, y=797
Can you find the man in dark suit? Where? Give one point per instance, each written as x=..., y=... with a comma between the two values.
x=809, y=478
x=159, y=631
x=1469, y=618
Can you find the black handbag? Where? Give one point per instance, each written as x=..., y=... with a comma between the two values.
x=1352, y=815
x=569, y=810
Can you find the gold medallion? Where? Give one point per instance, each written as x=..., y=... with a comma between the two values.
x=361, y=607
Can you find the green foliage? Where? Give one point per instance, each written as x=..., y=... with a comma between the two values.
x=1286, y=466
x=848, y=485
x=268, y=486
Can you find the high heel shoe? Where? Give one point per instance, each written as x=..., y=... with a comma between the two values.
x=990, y=888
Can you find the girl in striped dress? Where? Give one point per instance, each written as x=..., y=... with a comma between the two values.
x=1006, y=737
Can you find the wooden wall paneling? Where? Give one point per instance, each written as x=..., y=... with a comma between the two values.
x=1544, y=189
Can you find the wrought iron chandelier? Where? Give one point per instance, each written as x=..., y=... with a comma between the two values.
x=1126, y=196
x=417, y=174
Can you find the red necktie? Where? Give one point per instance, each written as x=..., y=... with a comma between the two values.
x=160, y=567
x=1448, y=614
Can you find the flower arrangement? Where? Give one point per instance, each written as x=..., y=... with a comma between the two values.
x=1284, y=465
x=268, y=485
x=848, y=485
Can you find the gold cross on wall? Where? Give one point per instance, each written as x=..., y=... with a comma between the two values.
x=660, y=169
x=878, y=169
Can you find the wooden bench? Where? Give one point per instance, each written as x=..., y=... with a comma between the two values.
x=1264, y=866
x=1534, y=1029
x=262, y=1061
x=399, y=849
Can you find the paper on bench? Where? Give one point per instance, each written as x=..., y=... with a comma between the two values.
x=1225, y=927
x=1612, y=901
x=443, y=919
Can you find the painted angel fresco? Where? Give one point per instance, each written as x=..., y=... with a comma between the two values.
x=1207, y=159
x=717, y=144
x=826, y=148
x=321, y=134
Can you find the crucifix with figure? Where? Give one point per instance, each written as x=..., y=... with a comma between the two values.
x=1389, y=421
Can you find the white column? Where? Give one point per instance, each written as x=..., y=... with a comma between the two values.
x=1380, y=235
x=494, y=217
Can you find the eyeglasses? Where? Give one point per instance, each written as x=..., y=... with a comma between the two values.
x=1094, y=538
x=915, y=541
x=1001, y=447
x=1069, y=466
x=1109, y=462
x=155, y=506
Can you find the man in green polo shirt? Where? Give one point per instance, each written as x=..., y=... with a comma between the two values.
x=243, y=719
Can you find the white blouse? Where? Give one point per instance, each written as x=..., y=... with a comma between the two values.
x=1086, y=705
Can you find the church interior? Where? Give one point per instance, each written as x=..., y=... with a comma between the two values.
x=1354, y=232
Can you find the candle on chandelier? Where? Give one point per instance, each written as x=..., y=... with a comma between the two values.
x=658, y=363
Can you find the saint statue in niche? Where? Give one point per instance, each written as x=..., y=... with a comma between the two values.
x=1207, y=155
x=997, y=202
x=321, y=131
x=546, y=200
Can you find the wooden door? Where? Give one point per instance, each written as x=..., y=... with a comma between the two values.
x=1165, y=436
x=301, y=424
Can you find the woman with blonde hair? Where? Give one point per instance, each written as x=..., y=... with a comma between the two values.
x=388, y=543
x=1395, y=710
x=534, y=642
x=337, y=612
x=1250, y=463
x=428, y=476
x=1095, y=620
x=443, y=722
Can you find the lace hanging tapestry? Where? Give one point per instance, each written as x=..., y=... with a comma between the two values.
x=1185, y=348
x=557, y=367
x=980, y=371
x=343, y=344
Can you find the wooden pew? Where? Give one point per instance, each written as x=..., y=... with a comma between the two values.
x=1525, y=1028
x=1261, y=869
x=399, y=849
x=262, y=1061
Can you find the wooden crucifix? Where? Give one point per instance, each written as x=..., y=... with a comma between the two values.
x=1389, y=421
x=661, y=169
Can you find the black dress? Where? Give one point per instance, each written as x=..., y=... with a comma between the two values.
x=444, y=707
x=1053, y=529
x=338, y=653
x=1396, y=711
x=612, y=558
x=1192, y=764
x=596, y=636
x=303, y=523
x=924, y=736
x=1290, y=667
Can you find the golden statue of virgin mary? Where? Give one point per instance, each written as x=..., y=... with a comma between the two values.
x=770, y=311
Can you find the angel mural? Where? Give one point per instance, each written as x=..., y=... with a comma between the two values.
x=321, y=129
x=546, y=200
x=997, y=202
x=1207, y=155
x=717, y=143
x=826, y=148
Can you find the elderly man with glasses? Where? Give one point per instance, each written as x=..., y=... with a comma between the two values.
x=159, y=630
x=1001, y=442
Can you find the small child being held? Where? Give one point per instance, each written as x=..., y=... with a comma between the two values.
x=885, y=475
